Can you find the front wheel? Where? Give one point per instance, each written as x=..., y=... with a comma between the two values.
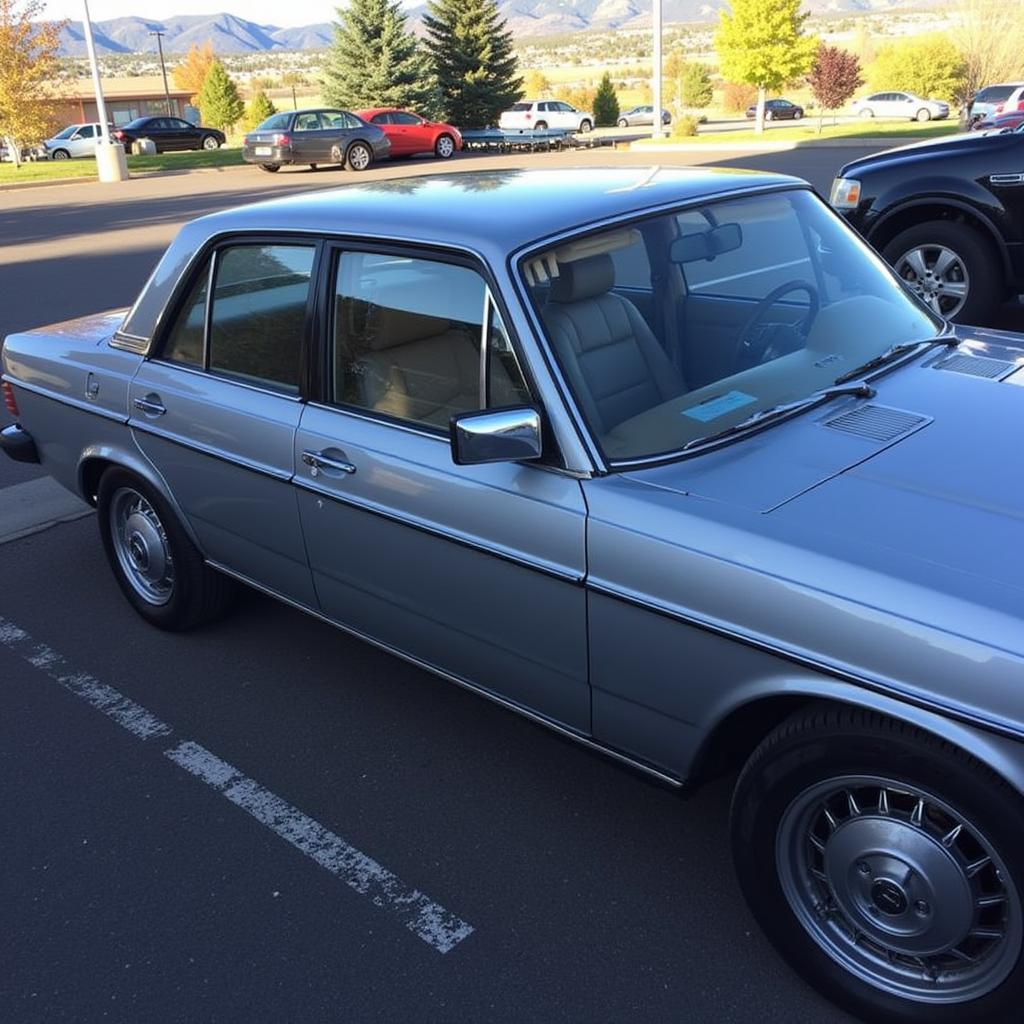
x=867, y=112
x=924, y=114
x=359, y=156
x=949, y=266
x=60, y=154
x=210, y=142
x=886, y=867
x=444, y=148
x=270, y=168
x=622, y=123
x=157, y=567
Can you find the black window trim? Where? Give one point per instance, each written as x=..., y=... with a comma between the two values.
x=206, y=261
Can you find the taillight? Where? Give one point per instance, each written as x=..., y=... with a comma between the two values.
x=119, y=135
x=9, y=401
x=281, y=140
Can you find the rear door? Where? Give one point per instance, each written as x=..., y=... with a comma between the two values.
x=308, y=143
x=215, y=408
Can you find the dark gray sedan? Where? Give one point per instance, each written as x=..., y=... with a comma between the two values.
x=668, y=461
x=313, y=137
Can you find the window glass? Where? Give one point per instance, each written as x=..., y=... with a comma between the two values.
x=86, y=131
x=278, y=122
x=380, y=119
x=338, y=119
x=259, y=313
x=632, y=268
x=307, y=123
x=177, y=123
x=67, y=133
x=407, y=339
x=520, y=107
x=401, y=117
x=185, y=342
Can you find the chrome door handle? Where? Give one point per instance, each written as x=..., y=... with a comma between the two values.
x=1006, y=179
x=151, y=405
x=318, y=460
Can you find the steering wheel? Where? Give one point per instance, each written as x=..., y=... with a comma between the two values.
x=754, y=344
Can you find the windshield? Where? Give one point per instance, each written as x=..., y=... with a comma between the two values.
x=673, y=328
x=67, y=132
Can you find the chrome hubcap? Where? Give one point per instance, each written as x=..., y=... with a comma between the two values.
x=445, y=147
x=141, y=546
x=899, y=888
x=937, y=275
x=359, y=157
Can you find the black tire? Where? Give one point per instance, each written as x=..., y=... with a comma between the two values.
x=541, y=126
x=798, y=115
x=623, y=123
x=979, y=258
x=196, y=593
x=358, y=157
x=924, y=114
x=830, y=742
x=585, y=126
x=60, y=154
x=209, y=142
x=312, y=167
x=444, y=147
x=270, y=168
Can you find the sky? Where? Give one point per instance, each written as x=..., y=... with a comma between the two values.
x=263, y=12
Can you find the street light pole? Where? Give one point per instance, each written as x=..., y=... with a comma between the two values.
x=110, y=161
x=163, y=69
x=657, y=129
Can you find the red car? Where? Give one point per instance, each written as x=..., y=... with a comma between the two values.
x=999, y=121
x=409, y=133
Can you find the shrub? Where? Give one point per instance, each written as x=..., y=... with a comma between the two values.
x=737, y=96
x=684, y=127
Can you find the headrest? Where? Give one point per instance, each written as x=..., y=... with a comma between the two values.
x=387, y=327
x=583, y=279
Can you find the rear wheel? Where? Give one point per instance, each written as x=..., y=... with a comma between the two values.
x=157, y=567
x=541, y=125
x=270, y=168
x=924, y=114
x=886, y=866
x=585, y=126
x=623, y=123
x=359, y=156
x=444, y=148
x=950, y=267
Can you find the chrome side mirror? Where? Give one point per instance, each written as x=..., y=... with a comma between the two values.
x=496, y=435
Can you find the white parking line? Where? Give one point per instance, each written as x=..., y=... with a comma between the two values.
x=428, y=920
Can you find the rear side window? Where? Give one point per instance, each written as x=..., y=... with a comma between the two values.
x=279, y=122
x=520, y=107
x=994, y=94
x=251, y=328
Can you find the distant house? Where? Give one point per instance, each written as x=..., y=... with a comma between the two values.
x=126, y=99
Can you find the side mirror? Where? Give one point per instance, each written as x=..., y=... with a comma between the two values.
x=495, y=435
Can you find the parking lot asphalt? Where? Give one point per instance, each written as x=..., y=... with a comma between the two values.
x=267, y=820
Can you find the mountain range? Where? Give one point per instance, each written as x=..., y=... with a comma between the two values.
x=232, y=34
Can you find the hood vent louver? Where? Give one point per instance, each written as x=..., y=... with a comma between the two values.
x=876, y=422
x=976, y=366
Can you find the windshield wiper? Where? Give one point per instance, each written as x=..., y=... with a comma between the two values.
x=861, y=389
x=893, y=352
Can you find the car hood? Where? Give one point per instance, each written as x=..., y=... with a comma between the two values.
x=950, y=145
x=938, y=505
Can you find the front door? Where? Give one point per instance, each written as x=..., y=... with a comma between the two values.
x=216, y=408
x=475, y=570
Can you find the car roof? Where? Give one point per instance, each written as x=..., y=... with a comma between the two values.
x=492, y=213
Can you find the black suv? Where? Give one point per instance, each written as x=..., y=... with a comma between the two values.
x=948, y=215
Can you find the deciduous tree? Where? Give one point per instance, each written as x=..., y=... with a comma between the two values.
x=192, y=71
x=990, y=35
x=536, y=84
x=606, y=103
x=219, y=102
x=28, y=68
x=375, y=61
x=762, y=43
x=470, y=48
x=834, y=78
x=930, y=66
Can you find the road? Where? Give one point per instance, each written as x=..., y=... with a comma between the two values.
x=188, y=819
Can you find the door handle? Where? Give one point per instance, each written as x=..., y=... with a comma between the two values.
x=150, y=405
x=319, y=460
x=1006, y=179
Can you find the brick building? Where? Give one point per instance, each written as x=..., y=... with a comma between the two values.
x=126, y=99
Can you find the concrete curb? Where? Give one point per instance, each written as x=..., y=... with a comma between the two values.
x=16, y=186
x=765, y=147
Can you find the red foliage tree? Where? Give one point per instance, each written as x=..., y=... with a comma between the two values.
x=834, y=78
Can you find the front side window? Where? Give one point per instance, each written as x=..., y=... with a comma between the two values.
x=408, y=340
x=251, y=328
x=86, y=131
x=401, y=117
x=675, y=327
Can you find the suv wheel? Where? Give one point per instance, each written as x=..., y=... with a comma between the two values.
x=886, y=867
x=950, y=267
x=585, y=126
x=540, y=126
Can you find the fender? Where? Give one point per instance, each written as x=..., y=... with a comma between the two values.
x=1004, y=754
x=133, y=460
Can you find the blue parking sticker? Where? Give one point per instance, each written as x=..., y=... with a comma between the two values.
x=715, y=407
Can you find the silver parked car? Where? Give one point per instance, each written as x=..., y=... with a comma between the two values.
x=901, y=104
x=641, y=116
x=669, y=461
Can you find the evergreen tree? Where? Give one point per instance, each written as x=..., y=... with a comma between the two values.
x=219, y=102
x=374, y=60
x=258, y=110
x=470, y=48
x=695, y=86
x=606, y=103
